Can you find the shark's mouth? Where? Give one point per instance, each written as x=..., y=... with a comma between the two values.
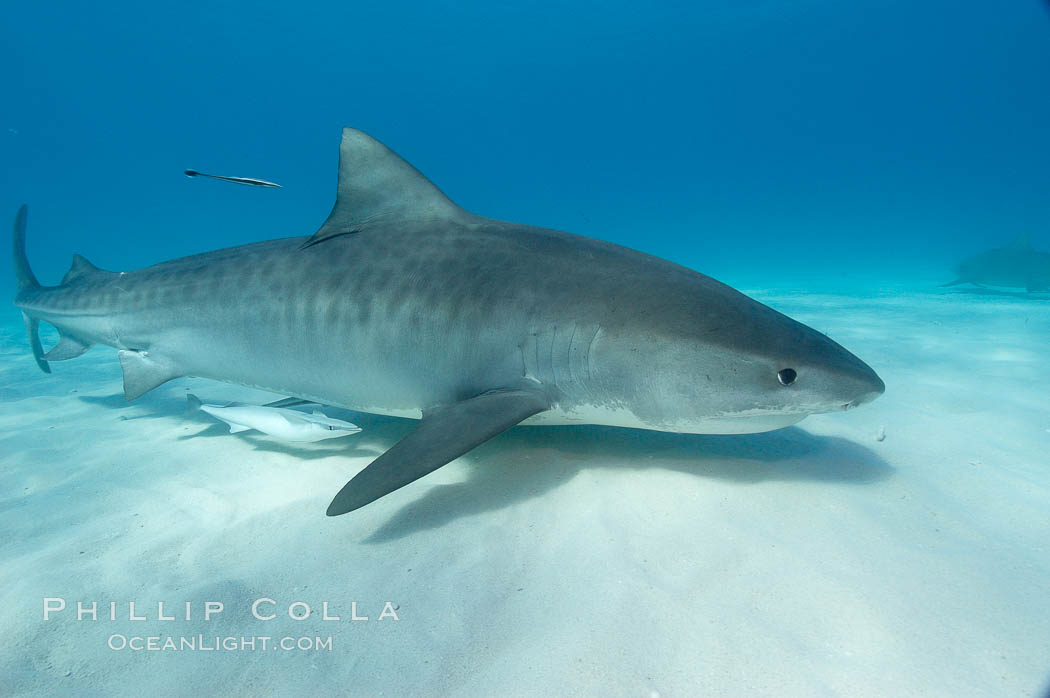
x=746, y=424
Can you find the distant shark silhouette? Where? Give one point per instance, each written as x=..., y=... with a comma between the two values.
x=1015, y=266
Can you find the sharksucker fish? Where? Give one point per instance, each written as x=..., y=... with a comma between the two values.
x=249, y=181
x=405, y=304
x=280, y=422
x=1016, y=265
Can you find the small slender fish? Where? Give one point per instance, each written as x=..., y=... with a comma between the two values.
x=248, y=181
x=280, y=422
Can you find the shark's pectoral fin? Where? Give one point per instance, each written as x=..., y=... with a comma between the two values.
x=444, y=434
x=237, y=428
x=67, y=348
x=144, y=371
x=292, y=417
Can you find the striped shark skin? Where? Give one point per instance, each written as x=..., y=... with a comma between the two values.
x=405, y=304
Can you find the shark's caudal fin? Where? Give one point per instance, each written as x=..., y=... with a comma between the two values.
x=376, y=187
x=68, y=346
x=24, y=276
x=25, y=280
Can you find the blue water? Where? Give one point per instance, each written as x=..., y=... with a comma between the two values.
x=731, y=136
x=833, y=159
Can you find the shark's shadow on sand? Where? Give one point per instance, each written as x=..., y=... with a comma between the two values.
x=528, y=462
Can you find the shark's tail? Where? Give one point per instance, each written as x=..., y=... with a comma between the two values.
x=23, y=274
x=25, y=281
x=29, y=292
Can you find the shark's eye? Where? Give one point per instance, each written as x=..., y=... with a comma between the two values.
x=787, y=376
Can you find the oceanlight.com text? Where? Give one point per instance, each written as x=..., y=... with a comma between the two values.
x=215, y=643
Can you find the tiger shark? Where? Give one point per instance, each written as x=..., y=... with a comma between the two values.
x=405, y=304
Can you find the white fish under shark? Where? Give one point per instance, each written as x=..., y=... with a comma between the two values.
x=279, y=422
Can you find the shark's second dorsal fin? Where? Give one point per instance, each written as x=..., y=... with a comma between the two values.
x=376, y=188
x=81, y=268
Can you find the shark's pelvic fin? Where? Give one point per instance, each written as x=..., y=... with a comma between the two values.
x=67, y=348
x=81, y=268
x=444, y=434
x=376, y=187
x=237, y=428
x=143, y=371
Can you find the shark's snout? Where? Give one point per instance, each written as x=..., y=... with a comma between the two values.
x=871, y=386
x=838, y=379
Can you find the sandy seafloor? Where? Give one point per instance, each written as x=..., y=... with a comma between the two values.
x=815, y=560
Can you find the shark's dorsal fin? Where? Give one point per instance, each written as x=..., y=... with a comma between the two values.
x=376, y=187
x=81, y=268
x=1023, y=242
